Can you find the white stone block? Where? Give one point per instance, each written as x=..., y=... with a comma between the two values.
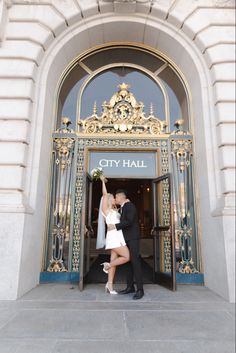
x=96, y=34
x=16, y=88
x=227, y=157
x=13, y=153
x=105, y=6
x=219, y=54
x=68, y=9
x=11, y=201
x=228, y=180
x=224, y=91
x=225, y=112
x=11, y=177
x=150, y=34
x=213, y=35
x=34, y=32
x=12, y=228
x=117, y=31
x=160, y=9
x=124, y=7
x=45, y=14
x=172, y=51
x=17, y=68
x=180, y=10
x=229, y=235
x=15, y=109
x=22, y=49
x=226, y=134
x=223, y=72
x=14, y=130
x=203, y=18
x=88, y=7
x=143, y=8
x=3, y=19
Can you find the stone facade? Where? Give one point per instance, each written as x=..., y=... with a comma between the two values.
x=38, y=39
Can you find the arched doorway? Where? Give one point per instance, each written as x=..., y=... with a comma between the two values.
x=184, y=54
x=86, y=80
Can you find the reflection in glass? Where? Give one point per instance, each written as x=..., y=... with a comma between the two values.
x=104, y=85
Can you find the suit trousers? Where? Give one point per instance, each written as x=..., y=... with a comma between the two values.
x=134, y=272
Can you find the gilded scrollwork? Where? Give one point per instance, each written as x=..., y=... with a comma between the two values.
x=59, y=230
x=181, y=154
x=122, y=124
x=110, y=143
x=122, y=115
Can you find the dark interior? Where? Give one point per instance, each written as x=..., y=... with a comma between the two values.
x=140, y=193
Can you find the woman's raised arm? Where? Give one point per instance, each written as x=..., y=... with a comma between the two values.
x=104, y=195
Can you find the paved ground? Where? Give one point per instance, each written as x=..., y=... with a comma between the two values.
x=54, y=318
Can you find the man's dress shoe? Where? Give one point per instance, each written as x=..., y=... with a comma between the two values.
x=139, y=294
x=127, y=290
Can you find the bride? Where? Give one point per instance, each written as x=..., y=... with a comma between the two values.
x=114, y=238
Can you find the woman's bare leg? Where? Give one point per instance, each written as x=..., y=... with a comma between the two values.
x=112, y=270
x=122, y=256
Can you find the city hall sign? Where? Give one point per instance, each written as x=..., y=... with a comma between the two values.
x=125, y=164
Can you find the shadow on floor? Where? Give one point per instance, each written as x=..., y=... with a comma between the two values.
x=96, y=274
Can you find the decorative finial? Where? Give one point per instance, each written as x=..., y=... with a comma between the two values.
x=95, y=108
x=151, y=109
x=179, y=123
x=123, y=86
x=65, y=121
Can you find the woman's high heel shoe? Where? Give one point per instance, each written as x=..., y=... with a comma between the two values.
x=108, y=290
x=106, y=266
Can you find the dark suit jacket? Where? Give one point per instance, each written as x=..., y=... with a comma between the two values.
x=129, y=222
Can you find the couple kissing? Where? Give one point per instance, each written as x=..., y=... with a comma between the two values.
x=122, y=238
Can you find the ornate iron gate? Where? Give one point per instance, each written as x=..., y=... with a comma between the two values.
x=121, y=125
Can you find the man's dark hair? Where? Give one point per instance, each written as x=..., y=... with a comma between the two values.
x=122, y=191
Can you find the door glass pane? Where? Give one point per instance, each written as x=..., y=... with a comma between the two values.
x=105, y=84
x=177, y=97
x=69, y=103
x=102, y=87
x=174, y=106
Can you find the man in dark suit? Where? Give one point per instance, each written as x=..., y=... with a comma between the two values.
x=130, y=227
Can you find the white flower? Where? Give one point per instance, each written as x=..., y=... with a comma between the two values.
x=96, y=173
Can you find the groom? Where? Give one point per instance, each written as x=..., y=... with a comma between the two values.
x=130, y=227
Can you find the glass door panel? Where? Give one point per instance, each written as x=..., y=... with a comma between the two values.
x=163, y=233
x=86, y=232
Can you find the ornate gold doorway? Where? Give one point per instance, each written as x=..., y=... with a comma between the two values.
x=122, y=127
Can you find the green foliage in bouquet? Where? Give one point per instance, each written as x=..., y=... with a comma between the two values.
x=96, y=173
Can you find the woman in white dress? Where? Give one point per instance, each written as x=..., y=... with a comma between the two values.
x=114, y=238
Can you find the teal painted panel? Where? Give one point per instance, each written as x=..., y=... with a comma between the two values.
x=51, y=277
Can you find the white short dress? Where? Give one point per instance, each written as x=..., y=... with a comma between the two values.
x=114, y=238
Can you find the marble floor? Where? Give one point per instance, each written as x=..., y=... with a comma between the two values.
x=57, y=318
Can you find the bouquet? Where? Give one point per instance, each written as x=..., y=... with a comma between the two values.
x=96, y=173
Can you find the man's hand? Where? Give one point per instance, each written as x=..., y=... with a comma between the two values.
x=111, y=227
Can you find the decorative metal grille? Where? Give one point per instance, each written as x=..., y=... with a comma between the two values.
x=121, y=125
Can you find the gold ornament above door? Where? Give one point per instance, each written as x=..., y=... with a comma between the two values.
x=122, y=115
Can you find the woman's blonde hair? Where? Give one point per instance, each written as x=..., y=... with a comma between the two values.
x=109, y=201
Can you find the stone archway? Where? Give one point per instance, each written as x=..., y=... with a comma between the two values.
x=68, y=45
x=184, y=54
